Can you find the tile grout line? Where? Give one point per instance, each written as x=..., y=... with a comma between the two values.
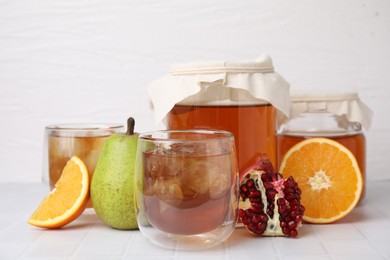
x=82, y=243
x=127, y=249
x=323, y=243
x=31, y=246
x=372, y=242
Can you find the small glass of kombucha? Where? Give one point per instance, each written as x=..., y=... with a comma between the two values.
x=186, y=187
x=65, y=140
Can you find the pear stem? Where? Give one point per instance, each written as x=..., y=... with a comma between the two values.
x=130, y=126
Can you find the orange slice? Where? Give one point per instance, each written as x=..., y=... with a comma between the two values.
x=328, y=175
x=67, y=200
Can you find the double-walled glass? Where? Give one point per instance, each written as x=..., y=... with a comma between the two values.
x=187, y=187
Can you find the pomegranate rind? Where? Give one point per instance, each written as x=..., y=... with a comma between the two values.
x=250, y=213
x=273, y=224
x=262, y=164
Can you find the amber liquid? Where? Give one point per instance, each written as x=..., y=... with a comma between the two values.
x=355, y=143
x=187, y=195
x=62, y=148
x=253, y=126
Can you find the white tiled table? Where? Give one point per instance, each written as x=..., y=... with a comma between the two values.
x=364, y=234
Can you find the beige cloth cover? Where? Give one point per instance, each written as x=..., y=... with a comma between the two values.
x=220, y=83
x=338, y=103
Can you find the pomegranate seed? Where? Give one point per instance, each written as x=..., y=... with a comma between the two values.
x=244, y=188
x=293, y=233
x=258, y=231
x=245, y=220
x=290, y=196
x=298, y=219
x=261, y=226
x=294, y=208
x=249, y=213
x=271, y=193
x=251, y=227
x=289, y=182
x=263, y=218
x=268, y=185
x=257, y=210
x=294, y=213
x=281, y=201
x=241, y=213
x=265, y=178
x=282, y=209
x=257, y=205
x=250, y=183
x=256, y=200
x=286, y=231
x=256, y=219
x=283, y=215
x=255, y=193
x=292, y=225
x=283, y=224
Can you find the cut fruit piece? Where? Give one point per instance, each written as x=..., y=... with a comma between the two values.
x=67, y=200
x=328, y=175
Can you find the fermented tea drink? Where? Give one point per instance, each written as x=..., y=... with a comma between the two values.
x=67, y=140
x=253, y=126
x=62, y=148
x=186, y=187
x=179, y=190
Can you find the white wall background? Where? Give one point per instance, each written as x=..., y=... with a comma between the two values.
x=90, y=61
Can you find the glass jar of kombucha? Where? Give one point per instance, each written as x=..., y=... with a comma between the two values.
x=245, y=98
x=337, y=116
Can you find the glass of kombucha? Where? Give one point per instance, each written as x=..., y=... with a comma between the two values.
x=65, y=140
x=187, y=187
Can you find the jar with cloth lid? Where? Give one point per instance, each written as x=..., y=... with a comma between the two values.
x=245, y=98
x=340, y=116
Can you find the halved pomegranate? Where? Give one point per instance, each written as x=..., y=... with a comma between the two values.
x=269, y=204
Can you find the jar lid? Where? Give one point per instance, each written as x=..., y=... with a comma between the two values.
x=346, y=104
x=220, y=83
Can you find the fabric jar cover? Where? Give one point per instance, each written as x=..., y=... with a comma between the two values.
x=346, y=104
x=221, y=83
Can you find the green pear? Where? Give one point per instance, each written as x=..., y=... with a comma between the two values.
x=112, y=187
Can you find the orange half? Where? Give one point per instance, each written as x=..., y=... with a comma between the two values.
x=67, y=200
x=328, y=175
